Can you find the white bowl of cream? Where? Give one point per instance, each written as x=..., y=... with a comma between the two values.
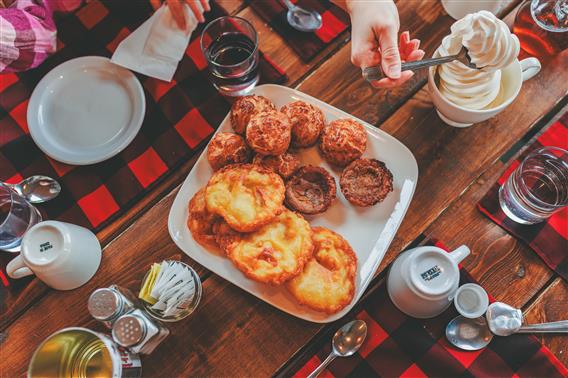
x=464, y=96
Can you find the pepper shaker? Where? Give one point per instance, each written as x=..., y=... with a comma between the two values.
x=138, y=332
x=109, y=303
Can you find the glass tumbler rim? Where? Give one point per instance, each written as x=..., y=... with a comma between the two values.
x=218, y=19
x=526, y=187
x=9, y=190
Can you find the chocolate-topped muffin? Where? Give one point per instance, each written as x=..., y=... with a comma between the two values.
x=311, y=190
x=366, y=182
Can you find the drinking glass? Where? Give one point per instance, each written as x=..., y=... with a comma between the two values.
x=230, y=46
x=537, y=188
x=16, y=216
x=542, y=27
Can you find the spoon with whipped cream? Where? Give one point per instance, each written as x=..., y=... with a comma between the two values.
x=376, y=73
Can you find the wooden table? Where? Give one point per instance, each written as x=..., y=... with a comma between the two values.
x=233, y=333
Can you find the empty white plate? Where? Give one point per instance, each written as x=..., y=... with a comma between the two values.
x=86, y=110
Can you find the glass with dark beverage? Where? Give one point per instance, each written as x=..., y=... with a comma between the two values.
x=542, y=27
x=230, y=45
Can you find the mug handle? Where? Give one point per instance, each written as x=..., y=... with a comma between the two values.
x=529, y=68
x=17, y=268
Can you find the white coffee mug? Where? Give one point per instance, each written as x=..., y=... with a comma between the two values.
x=512, y=78
x=63, y=255
x=422, y=281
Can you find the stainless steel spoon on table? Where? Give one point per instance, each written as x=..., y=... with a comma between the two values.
x=346, y=341
x=468, y=334
x=302, y=19
x=501, y=320
x=37, y=189
x=505, y=320
x=376, y=73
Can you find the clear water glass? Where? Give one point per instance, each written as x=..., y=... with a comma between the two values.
x=537, y=188
x=16, y=216
x=230, y=46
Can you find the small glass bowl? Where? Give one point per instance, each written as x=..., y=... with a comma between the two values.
x=184, y=313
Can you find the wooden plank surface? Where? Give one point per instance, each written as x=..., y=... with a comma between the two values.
x=232, y=333
x=245, y=324
x=550, y=306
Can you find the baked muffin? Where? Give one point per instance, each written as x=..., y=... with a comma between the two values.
x=311, y=190
x=307, y=123
x=245, y=107
x=343, y=141
x=269, y=133
x=366, y=182
x=227, y=148
x=285, y=165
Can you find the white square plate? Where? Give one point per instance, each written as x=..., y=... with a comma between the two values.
x=368, y=230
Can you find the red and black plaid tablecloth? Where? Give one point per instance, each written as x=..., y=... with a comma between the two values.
x=400, y=346
x=307, y=45
x=548, y=239
x=180, y=118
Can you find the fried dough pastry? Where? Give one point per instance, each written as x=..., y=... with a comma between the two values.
x=327, y=282
x=224, y=234
x=245, y=107
x=247, y=196
x=269, y=133
x=343, y=141
x=366, y=182
x=276, y=252
x=226, y=149
x=285, y=165
x=311, y=190
x=200, y=221
x=307, y=122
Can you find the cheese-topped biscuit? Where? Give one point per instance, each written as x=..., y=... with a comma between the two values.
x=247, y=196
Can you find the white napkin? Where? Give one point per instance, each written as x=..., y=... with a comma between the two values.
x=157, y=46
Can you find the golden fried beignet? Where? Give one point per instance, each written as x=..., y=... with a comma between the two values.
x=269, y=133
x=247, y=196
x=307, y=123
x=343, y=141
x=276, y=252
x=245, y=107
x=327, y=282
x=200, y=221
x=227, y=148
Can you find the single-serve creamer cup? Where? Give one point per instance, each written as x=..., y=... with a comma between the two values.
x=512, y=78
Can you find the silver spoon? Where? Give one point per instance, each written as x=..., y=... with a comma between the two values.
x=505, y=320
x=37, y=189
x=302, y=19
x=468, y=334
x=346, y=341
x=376, y=73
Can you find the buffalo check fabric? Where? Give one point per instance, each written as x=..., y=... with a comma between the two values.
x=548, y=239
x=400, y=346
x=180, y=118
x=307, y=45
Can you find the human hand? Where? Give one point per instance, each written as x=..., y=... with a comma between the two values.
x=374, y=41
x=198, y=7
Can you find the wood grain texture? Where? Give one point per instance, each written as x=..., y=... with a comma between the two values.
x=550, y=306
x=233, y=333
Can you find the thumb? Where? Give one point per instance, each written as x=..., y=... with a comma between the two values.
x=390, y=56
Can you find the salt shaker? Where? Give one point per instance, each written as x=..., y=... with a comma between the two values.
x=138, y=332
x=109, y=303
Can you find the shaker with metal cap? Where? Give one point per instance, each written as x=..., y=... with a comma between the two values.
x=138, y=332
x=109, y=303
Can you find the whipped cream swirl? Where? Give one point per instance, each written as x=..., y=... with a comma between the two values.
x=491, y=46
